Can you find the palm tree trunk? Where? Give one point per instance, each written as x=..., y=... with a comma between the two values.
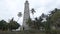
x=18, y=20
x=33, y=17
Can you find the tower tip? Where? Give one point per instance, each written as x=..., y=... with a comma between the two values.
x=26, y=0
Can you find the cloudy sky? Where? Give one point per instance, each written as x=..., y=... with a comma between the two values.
x=10, y=8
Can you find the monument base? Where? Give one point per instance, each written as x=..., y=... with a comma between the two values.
x=24, y=28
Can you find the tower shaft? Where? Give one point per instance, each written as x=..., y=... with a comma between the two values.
x=26, y=16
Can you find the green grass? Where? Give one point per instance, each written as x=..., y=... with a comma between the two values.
x=23, y=32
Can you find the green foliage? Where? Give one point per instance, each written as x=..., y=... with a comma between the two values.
x=19, y=14
x=38, y=23
x=13, y=24
x=52, y=21
x=54, y=31
x=56, y=16
x=47, y=27
x=33, y=11
x=29, y=22
x=35, y=24
x=3, y=25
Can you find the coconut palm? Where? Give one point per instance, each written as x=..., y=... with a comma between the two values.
x=19, y=15
x=13, y=24
x=33, y=11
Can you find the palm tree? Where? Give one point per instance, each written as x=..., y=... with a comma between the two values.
x=33, y=11
x=13, y=24
x=3, y=25
x=19, y=15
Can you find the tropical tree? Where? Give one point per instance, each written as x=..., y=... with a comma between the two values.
x=3, y=25
x=37, y=23
x=52, y=20
x=56, y=18
x=13, y=25
x=43, y=15
x=29, y=22
x=19, y=15
x=48, y=26
x=33, y=11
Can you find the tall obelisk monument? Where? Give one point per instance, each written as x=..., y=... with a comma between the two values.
x=26, y=16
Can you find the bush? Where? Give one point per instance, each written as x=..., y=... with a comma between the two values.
x=54, y=32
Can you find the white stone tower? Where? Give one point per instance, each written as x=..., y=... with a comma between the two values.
x=26, y=16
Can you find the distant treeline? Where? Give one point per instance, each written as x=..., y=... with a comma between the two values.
x=5, y=26
x=49, y=23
